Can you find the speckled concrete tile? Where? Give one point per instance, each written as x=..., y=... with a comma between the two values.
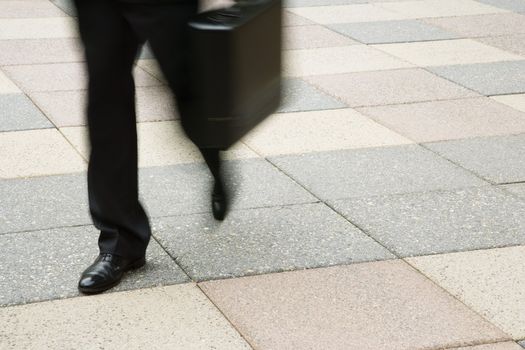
x=43, y=202
x=19, y=113
x=391, y=307
x=482, y=25
x=319, y=131
x=512, y=5
x=447, y=52
x=152, y=67
x=264, y=240
x=186, y=188
x=40, y=51
x=290, y=20
x=46, y=265
x=497, y=159
x=440, y=222
x=174, y=317
x=440, y=8
x=509, y=345
x=449, y=120
x=298, y=95
x=518, y=189
x=511, y=43
x=333, y=60
x=346, y=13
x=522, y=343
x=314, y=36
x=392, y=31
x=497, y=78
x=160, y=143
x=61, y=76
x=488, y=281
x=516, y=101
x=374, y=171
x=36, y=153
x=29, y=9
x=66, y=5
x=6, y=85
x=389, y=87
x=38, y=28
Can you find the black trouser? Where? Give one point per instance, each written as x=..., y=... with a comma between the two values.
x=112, y=33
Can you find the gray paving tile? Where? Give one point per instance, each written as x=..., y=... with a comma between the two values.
x=17, y=112
x=264, y=240
x=518, y=189
x=392, y=31
x=29, y=9
x=482, y=25
x=522, y=343
x=438, y=222
x=183, y=189
x=513, y=5
x=374, y=171
x=496, y=78
x=298, y=95
x=145, y=52
x=43, y=202
x=44, y=265
x=498, y=159
x=66, y=5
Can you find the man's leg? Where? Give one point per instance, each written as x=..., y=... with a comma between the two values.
x=110, y=48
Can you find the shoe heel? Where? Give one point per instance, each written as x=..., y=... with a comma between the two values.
x=137, y=263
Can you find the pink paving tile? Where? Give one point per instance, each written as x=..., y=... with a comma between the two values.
x=380, y=305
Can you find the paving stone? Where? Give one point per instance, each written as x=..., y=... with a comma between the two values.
x=496, y=346
x=518, y=189
x=391, y=31
x=36, y=153
x=516, y=101
x=482, y=25
x=440, y=8
x=440, y=222
x=447, y=52
x=497, y=78
x=449, y=120
x=152, y=67
x=298, y=95
x=46, y=265
x=391, y=307
x=43, y=202
x=511, y=43
x=375, y=171
x=522, y=343
x=32, y=51
x=186, y=188
x=178, y=317
x=388, y=87
x=62, y=76
x=146, y=52
x=314, y=36
x=6, y=85
x=264, y=240
x=159, y=143
x=497, y=159
x=346, y=13
x=29, y=9
x=488, y=281
x=66, y=5
x=19, y=113
x=512, y=5
x=308, y=3
x=319, y=131
x=290, y=20
x=334, y=60
x=38, y=28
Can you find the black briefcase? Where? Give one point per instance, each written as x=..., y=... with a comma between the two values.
x=235, y=70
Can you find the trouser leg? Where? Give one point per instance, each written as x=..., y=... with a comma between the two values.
x=111, y=47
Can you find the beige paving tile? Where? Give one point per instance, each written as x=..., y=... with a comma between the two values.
x=62, y=77
x=33, y=51
x=152, y=67
x=496, y=346
x=314, y=36
x=448, y=120
x=447, y=52
x=388, y=87
x=29, y=9
x=440, y=8
x=37, y=152
x=346, y=13
x=482, y=25
x=175, y=317
x=380, y=305
x=6, y=85
x=290, y=19
x=38, y=28
x=489, y=281
x=334, y=60
x=319, y=131
x=516, y=101
x=511, y=43
x=160, y=143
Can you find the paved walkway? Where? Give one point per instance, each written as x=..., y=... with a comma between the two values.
x=382, y=208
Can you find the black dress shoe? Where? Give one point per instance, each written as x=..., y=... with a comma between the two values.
x=219, y=204
x=106, y=272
